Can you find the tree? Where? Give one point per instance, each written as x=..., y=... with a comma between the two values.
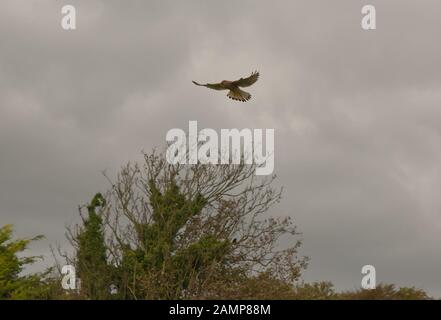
x=12, y=284
x=315, y=291
x=197, y=231
x=386, y=292
x=326, y=291
x=91, y=252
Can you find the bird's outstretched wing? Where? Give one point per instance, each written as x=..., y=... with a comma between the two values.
x=214, y=86
x=246, y=82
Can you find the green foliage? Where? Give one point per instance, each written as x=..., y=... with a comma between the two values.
x=316, y=291
x=171, y=211
x=263, y=286
x=386, y=292
x=12, y=285
x=92, y=267
x=159, y=257
x=326, y=291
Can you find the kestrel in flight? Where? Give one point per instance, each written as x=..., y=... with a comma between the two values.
x=235, y=92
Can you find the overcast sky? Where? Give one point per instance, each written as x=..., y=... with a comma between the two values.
x=357, y=115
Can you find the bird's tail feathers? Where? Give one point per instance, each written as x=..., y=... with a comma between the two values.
x=239, y=95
